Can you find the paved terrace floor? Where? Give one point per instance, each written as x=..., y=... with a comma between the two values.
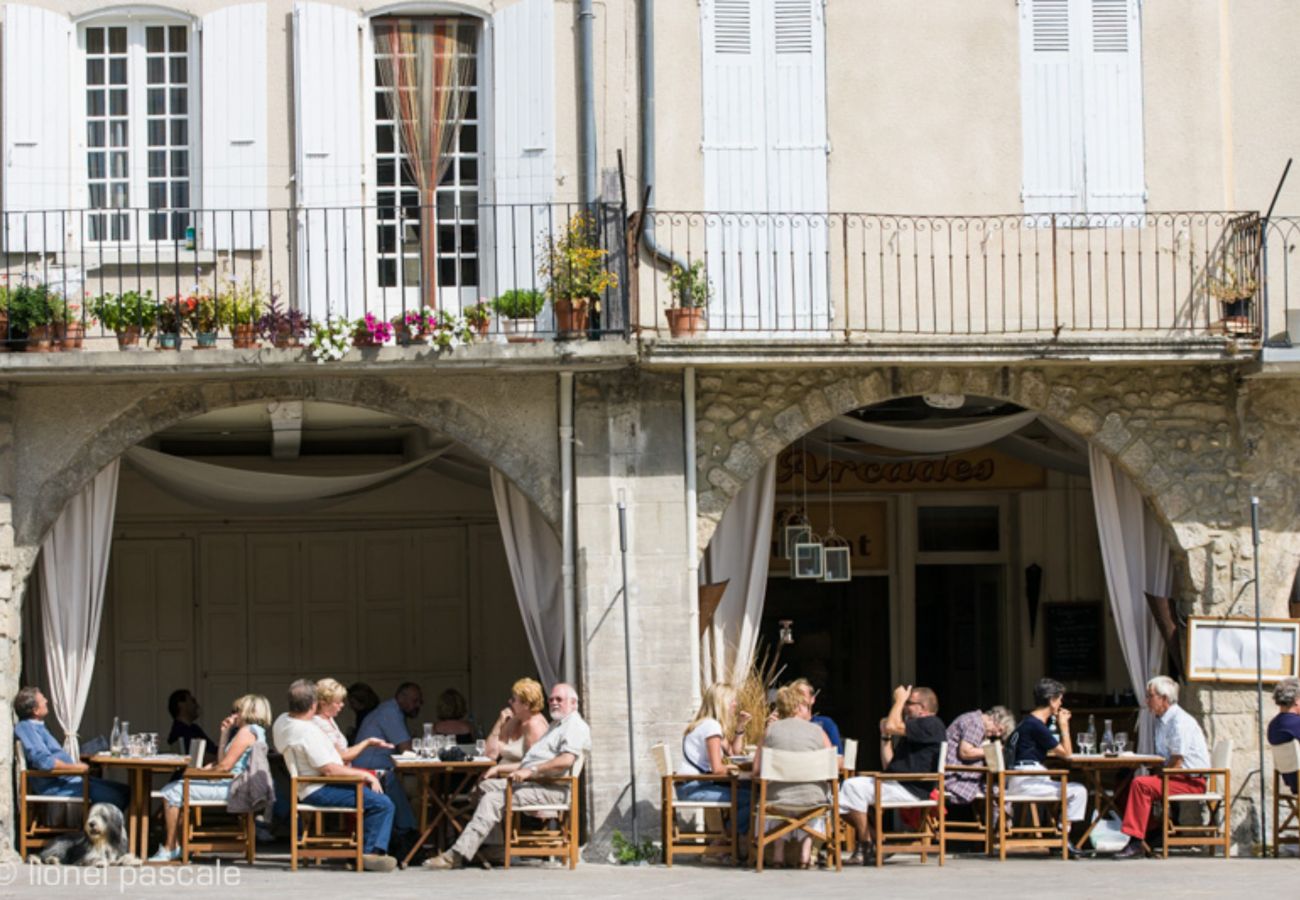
x=963, y=878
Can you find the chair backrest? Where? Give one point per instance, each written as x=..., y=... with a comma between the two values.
x=800, y=765
x=20, y=757
x=943, y=757
x=578, y=763
x=1286, y=757
x=993, y=757
x=197, y=746
x=663, y=758
x=850, y=755
x=291, y=760
x=1221, y=758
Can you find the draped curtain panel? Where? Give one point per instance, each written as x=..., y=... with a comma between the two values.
x=739, y=554
x=534, y=555
x=426, y=64
x=943, y=439
x=74, y=566
x=1136, y=557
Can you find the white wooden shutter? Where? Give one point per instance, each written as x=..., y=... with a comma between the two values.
x=330, y=118
x=735, y=159
x=234, y=186
x=38, y=171
x=1051, y=108
x=1111, y=62
x=523, y=137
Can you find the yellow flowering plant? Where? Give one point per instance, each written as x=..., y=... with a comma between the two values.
x=573, y=265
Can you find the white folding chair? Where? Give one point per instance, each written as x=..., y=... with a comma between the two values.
x=33, y=834
x=1286, y=761
x=801, y=766
x=698, y=841
x=933, y=814
x=1217, y=798
x=1053, y=834
x=558, y=839
x=313, y=842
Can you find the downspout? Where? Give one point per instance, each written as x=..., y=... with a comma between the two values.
x=566, y=529
x=647, y=151
x=692, y=541
x=587, y=188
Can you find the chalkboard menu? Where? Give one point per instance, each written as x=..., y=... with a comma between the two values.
x=1074, y=641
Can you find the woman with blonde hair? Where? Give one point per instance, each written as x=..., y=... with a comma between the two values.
x=717, y=731
x=518, y=726
x=330, y=700
x=246, y=725
x=793, y=730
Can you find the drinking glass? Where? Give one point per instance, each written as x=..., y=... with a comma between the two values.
x=480, y=748
x=424, y=746
x=1121, y=741
x=1086, y=743
x=428, y=730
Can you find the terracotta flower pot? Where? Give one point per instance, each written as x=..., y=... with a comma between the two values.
x=481, y=328
x=244, y=336
x=4, y=331
x=407, y=336
x=128, y=338
x=571, y=316
x=70, y=335
x=40, y=339
x=363, y=338
x=685, y=321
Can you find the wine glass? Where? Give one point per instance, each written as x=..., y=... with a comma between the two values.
x=480, y=748
x=1086, y=743
x=1121, y=741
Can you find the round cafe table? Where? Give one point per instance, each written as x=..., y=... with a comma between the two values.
x=1094, y=767
x=139, y=774
x=440, y=783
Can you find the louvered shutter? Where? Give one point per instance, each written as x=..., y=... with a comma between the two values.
x=796, y=162
x=331, y=220
x=38, y=170
x=1111, y=63
x=523, y=147
x=1051, y=108
x=234, y=200
x=735, y=159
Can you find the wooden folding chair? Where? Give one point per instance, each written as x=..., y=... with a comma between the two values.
x=786, y=766
x=236, y=835
x=933, y=815
x=1052, y=834
x=979, y=829
x=33, y=834
x=678, y=842
x=1286, y=804
x=1217, y=798
x=308, y=839
x=557, y=835
x=848, y=836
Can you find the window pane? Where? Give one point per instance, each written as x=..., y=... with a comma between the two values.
x=180, y=132
x=157, y=163
x=117, y=102
x=117, y=132
x=179, y=38
x=957, y=529
x=157, y=71
x=469, y=205
x=387, y=273
x=180, y=101
x=117, y=71
x=179, y=66
x=95, y=134
x=155, y=39
x=119, y=162
x=94, y=103
x=98, y=196
x=468, y=171
x=180, y=194
x=469, y=239
x=447, y=272
x=120, y=195
x=95, y=165
x=180, y=163
x=387, y=238
x=157, y=101
x=385, y=171
x=157, y=195
x=157, y=133
x=411, y=271
x=94, y=71
x=384, y=142
x=469, y=272
x=386, y=200
x=117, y=40
x=446, y=239
x=94, y=40
x=471, y=106
x=468, y=138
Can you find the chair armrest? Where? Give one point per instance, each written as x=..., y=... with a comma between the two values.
x=206, y=774
x=1166, y=774
x=570, y=780
x=329, y=779
x=681, y=779
x=79, y=769
x=978, y=770
x=907, y=776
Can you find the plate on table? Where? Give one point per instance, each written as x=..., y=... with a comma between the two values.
x=406, y=756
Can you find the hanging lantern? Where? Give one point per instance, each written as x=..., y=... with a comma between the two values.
x=808, y=559
x=797, y=530
x=837, y=557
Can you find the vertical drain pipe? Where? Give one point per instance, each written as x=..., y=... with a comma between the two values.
x=566, y=529
x=692, y=541
x=588, y=192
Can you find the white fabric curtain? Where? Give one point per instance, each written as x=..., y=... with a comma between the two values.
x=945, y=439
x=739, y=554
x=74, y=566
x=1136, y=558
x=229, y=489
x=534, y=555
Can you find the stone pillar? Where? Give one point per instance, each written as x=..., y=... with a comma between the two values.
x=628, y=429
x=10, y=619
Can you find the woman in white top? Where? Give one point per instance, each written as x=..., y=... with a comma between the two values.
x=717, y=731
x=520, y=725
x=330, y=699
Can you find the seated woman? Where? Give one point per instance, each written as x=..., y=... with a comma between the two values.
x=520, y=725
x=1032, y=743
x=793, y=730
x=451, y=711
x=330, y=697
x=245, y=726
x=717, y=731
x=966, y=737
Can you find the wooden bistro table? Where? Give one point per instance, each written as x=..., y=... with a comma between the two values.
x=139, y=773
x=440, y=782
x=1094, y=767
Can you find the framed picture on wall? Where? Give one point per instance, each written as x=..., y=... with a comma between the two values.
x=1223, y=650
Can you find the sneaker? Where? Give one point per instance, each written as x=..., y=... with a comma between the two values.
x=445, y=860
x=163, y=855
x=378, y=862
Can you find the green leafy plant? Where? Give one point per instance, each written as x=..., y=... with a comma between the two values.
x=626, y=852
x=690, y=287
x=241, y=303
x=30, y=306
x=479, y=314
x=331, y=339
x=573, y=264
x=120, y=311
x=206, y=315
x=520, y=303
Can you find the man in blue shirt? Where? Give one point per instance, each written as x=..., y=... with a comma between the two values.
x=43, y=752
x=388, y=722
x=1285, y=726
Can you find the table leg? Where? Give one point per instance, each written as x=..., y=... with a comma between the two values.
x=1100, y=805
x=426, y=829
x=139, y=813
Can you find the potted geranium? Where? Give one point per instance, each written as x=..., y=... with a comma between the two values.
x=690, y=290
x=128, y=315
x=573, y=266
x=451, y=331
x=205, y=320
x=414, y=326
x=32, y=313
x=4, y=313
x=241, y=305
x=371, y=331
x=479, y=317
x=518, y=308
x=282, y=326
x=175, y=318
x=69, y=329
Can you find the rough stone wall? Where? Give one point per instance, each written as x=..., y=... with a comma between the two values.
x=1196, y=440
x=10, y=620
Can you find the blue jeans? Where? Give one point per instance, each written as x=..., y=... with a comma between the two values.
x=713, y=791
x=101, y=790
x=378, y=812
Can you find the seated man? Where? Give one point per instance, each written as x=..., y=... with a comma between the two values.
x=1182, y=743
x=564, y=743
x=1285, y=726
x=315, y=754
x=184, y=709
x=43, y=752
x=387, y=723
x=910, y=736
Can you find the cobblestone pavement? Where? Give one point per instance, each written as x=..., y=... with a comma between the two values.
x=960, y=878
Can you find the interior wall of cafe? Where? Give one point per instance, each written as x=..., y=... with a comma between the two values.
x=404, y=582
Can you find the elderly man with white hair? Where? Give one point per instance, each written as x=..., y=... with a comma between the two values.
x=564, y=743
x=1285, y=726
x=1182, y=743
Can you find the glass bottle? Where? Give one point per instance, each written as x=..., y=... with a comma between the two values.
x=1107, y=739
x=1091, y=736
x=115, y=739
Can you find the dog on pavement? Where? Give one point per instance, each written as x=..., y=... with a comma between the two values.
x=102, y=842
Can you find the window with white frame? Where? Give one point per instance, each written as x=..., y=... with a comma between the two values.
x=139, y=139
x=451, y=207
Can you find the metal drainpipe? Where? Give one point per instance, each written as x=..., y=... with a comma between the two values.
x=588, y=191
x=566, y=528
x=692, y=542
x=647, y=25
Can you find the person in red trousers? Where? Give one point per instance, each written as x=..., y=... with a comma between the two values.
x=1182, y=743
